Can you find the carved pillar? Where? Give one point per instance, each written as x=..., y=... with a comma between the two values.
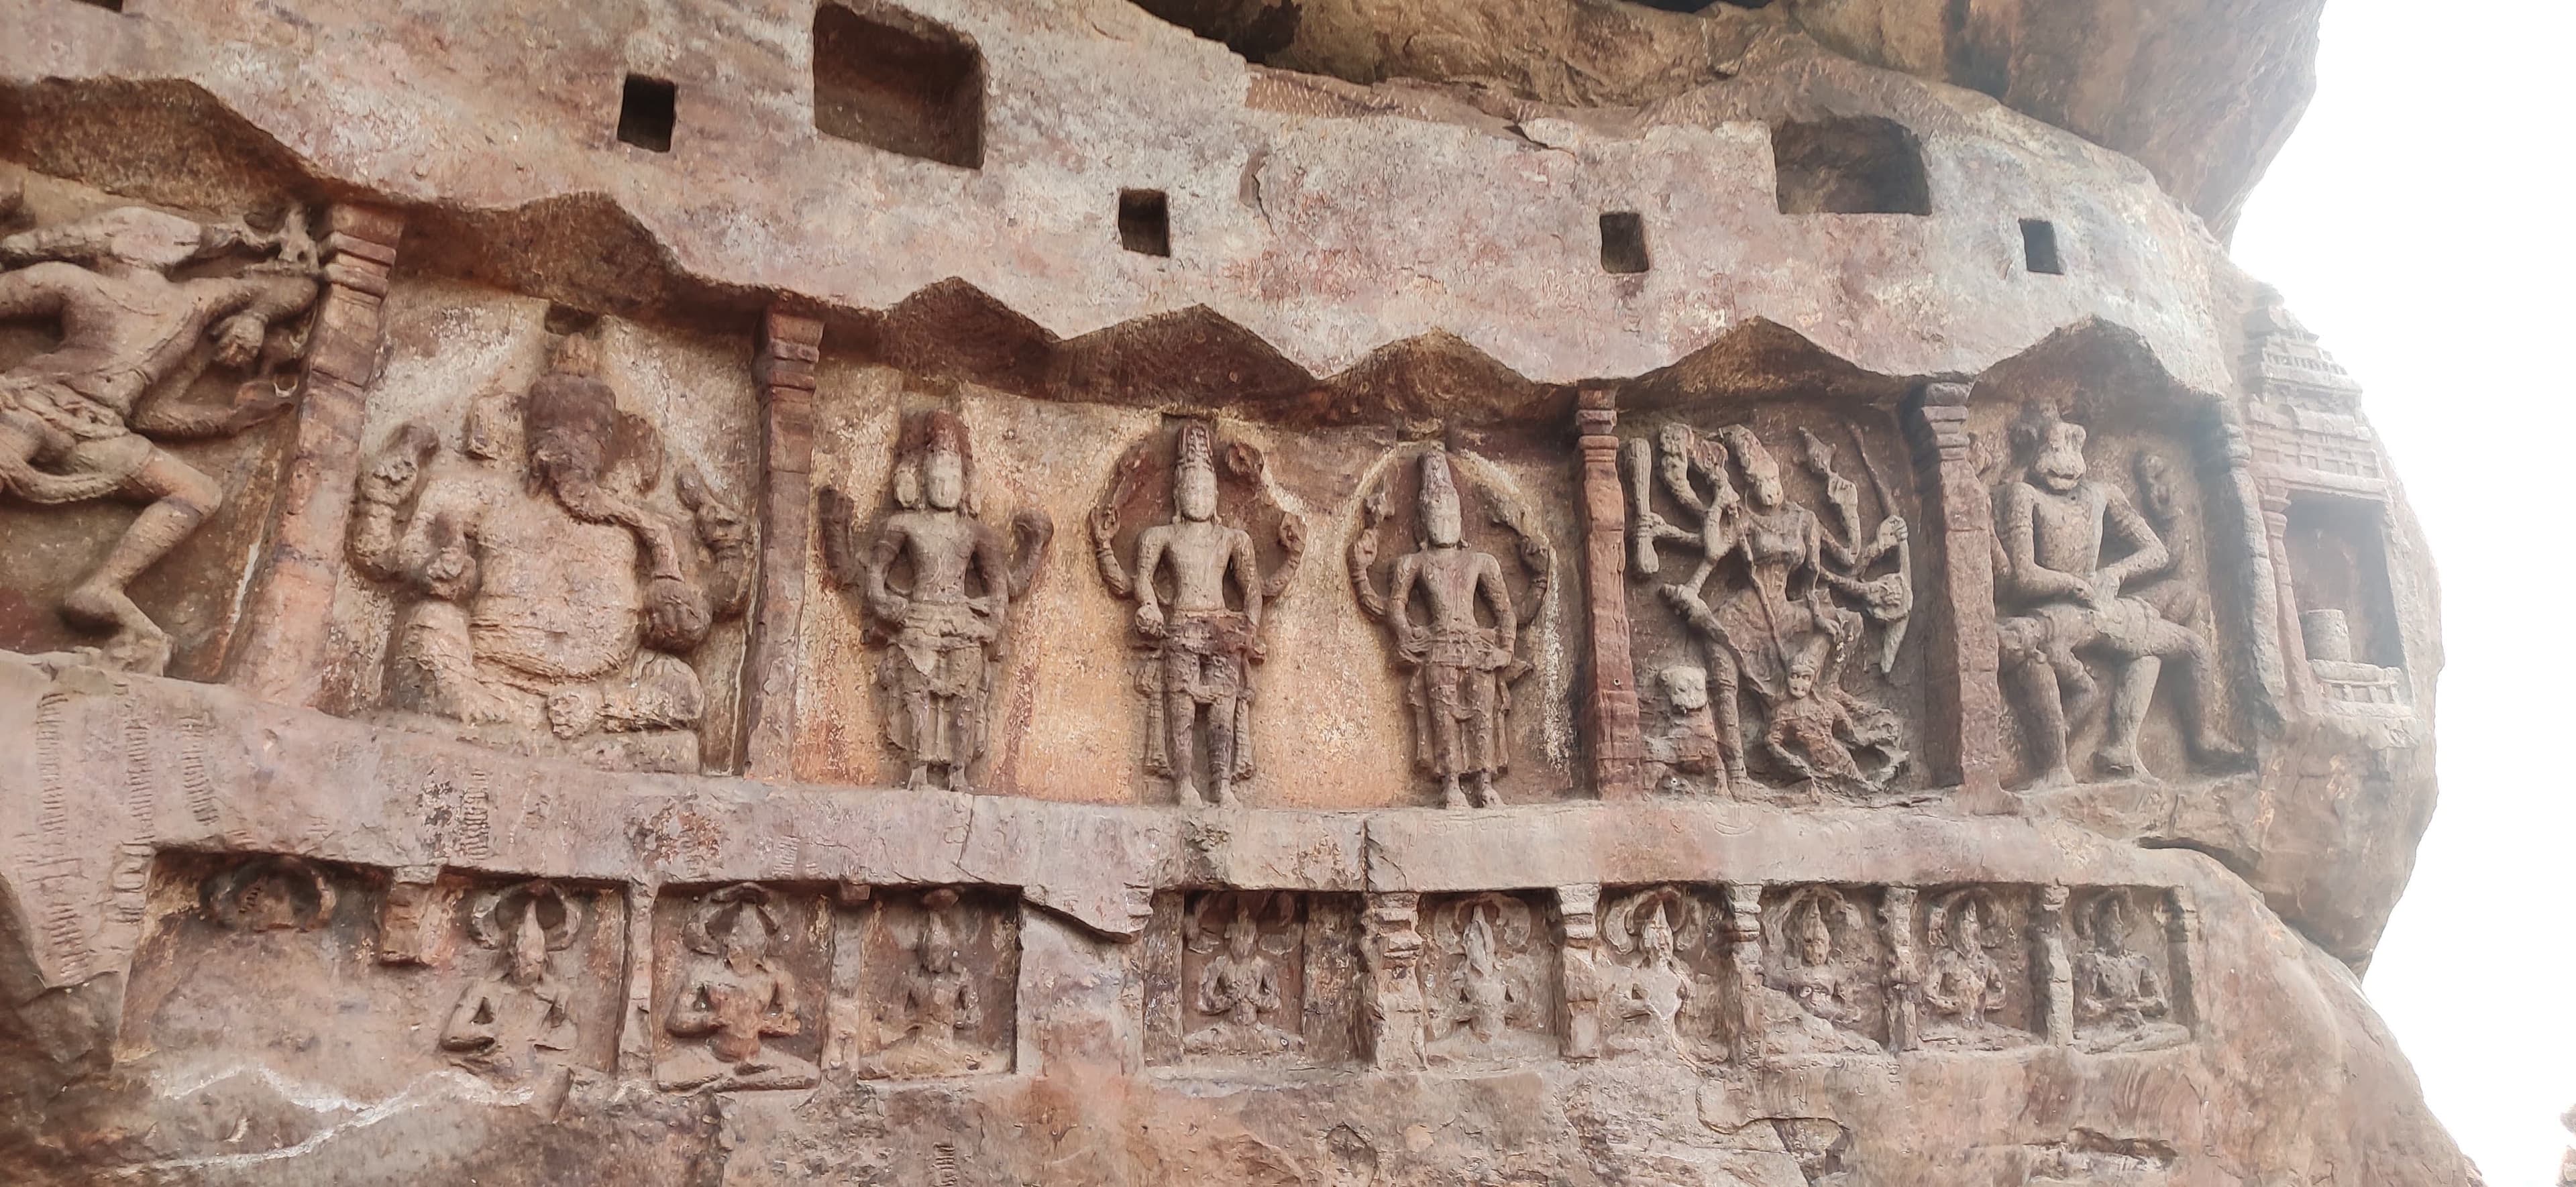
x=411, y=927
x=1577, y=909
x=1395, y=999
x=1743, y=926
x=1904, y=968
x=635, y=1033
x=2182, y=939
x=1610, y=692
x=2270, y=615
x=1963, y=739
x=287, y=617
x=790, y=344
x=2056, y=969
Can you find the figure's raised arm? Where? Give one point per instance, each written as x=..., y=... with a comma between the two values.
x=1247, y=569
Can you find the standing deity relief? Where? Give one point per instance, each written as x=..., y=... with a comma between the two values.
x=556, y=583
x=1464, y=652
x=1796, y=594
x=1201, y=582
x=2077, y=569
x=87, y=419
x=937, y=587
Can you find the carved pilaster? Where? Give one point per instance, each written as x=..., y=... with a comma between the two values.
x=1395, y=1003
x=1610, y=692
x=286, y=639
x=1963, y=736
x=1577, y=909
x=1904, y=968
x=2182, y=934
x=790, y=345
x=2270, y=614
x=411, y=926
x=635, y=1032
x=1743, y=929
x=2055, y=968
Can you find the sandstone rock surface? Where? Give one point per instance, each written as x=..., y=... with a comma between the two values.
x=956, y=593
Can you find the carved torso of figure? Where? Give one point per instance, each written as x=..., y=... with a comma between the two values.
x=1239, y=988
x=1200, y=552
x=1818, y=989
x=500, y=1025
x=1483, y=998
x=1966, y=982
x=2066, y=529
x=1777, y=543
x=941, y=545
x=1452, y=580
x=1657, y=989
x=560, y=599
x=2121, y=986
x=740, y=1001
x=123, y=327
x=941, y=1001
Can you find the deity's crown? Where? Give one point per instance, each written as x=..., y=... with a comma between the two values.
x=1436, y=479
x=1198, y=446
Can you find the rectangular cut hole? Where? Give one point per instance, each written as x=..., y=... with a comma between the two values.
x=1145, y=222
x=2039, y=246
x=888, y=78
x=650, y=109
x=1623, y=242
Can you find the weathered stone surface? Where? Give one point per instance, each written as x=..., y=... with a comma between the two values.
x=956, y=593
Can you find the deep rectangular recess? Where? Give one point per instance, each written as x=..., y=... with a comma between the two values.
x=648, y=112
x=1145, y=222
x=1623, y=242
x=2039, y=247
x=896, y=81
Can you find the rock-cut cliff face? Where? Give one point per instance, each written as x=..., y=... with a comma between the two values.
x=1323, y=593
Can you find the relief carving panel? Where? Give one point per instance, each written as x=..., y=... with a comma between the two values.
x=740, y=973
x=1490, y=977
x=936, y=986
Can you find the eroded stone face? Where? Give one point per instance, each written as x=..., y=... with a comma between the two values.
x=1892, y=665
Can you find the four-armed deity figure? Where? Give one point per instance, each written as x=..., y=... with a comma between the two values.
x=1655, y=986
x=551, y=594
x=1460, y=688
x=79, y=422
x=1817, y=1011
x=1238, y=985
x=1204, y=648
x=512, y=1023
x=935, y=691
x=2052, y=525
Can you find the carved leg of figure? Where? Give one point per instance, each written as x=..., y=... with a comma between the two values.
x=1486, y=796
x=1451, y=794
x=2198, y=691
x=2129, y=699
x=434, y=670
x=1482, y=755
x=657, y=691
x=2044, y=729
x=1182, y=718
x=180, y=499
x=1222, y=740
x=1440, y=688
x=965, y=732
x=1730, y=723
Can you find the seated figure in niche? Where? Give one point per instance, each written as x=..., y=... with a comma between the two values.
x=1966, y=982
x=1815, y=1005
x=734, y=995
x=552, y=596
x=1482, y=1002
x=1238, y=985
x=82, y=421
x=1650, y=988
x=1814, y=734
x=2066, y=598
x=515, y=1022
x=2121, y=997
x=941, y=1010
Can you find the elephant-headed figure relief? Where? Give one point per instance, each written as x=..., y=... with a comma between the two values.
x=1653, y=998
x=1821, y=976
x=1200, y=639
x=937, y=588
x=1487, y=986
x=556, y=584
x=1795, y=597
x=1464, y=652
x=516, y=1020
x=88, y=418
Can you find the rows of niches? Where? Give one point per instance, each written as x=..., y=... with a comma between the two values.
x=676, y=546
x=751, y=987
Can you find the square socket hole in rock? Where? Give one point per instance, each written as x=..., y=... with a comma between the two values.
x=2039, y=247
x=1623, y=242
x=1145, y=222
x=648, y=112
x=892, y=80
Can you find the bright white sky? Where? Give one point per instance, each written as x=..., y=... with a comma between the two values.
x=2418, y=221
